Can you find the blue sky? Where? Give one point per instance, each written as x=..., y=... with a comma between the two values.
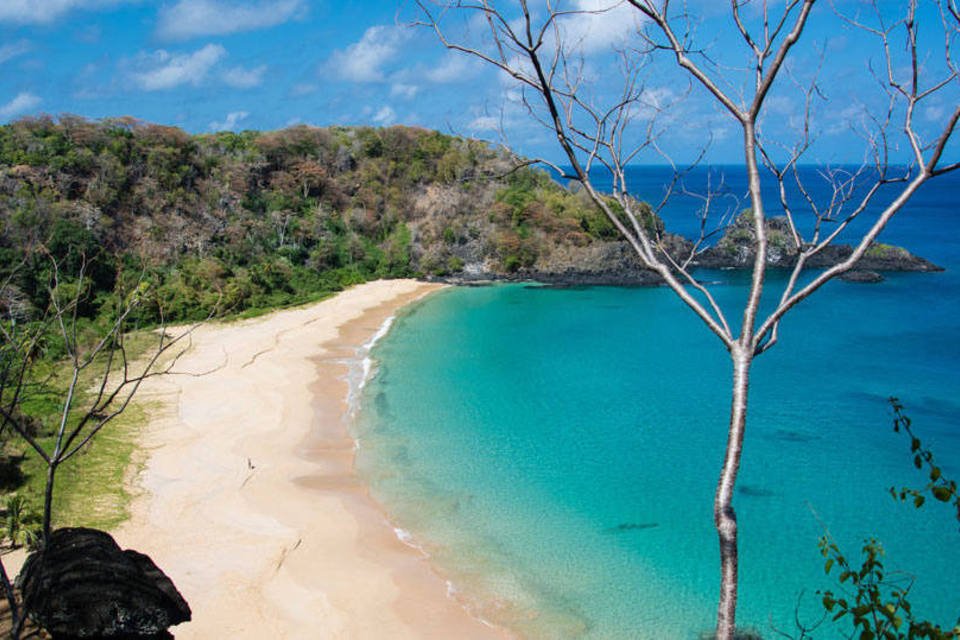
x=208, y=65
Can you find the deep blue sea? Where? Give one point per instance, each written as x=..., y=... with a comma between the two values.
x=556, y=450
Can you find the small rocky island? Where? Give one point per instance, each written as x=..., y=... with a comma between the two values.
x=614, y=262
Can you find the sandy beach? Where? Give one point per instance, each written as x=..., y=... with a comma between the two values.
x=247, y=495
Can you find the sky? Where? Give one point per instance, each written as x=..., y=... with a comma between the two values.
x=213, y=65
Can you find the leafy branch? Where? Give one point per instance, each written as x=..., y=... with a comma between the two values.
x=938, y=486
x=877, y=603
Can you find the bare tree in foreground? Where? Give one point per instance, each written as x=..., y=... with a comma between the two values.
x=102, y=376
x=599, y=128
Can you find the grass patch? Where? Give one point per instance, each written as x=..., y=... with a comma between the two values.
x=92, y=487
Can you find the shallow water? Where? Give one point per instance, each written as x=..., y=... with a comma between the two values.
x=556, y=451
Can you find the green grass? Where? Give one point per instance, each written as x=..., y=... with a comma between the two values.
x=93, y=487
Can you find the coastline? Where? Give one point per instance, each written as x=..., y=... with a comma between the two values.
x=248, y=498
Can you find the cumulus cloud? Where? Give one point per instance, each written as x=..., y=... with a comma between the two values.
x=47, y=11
x=192, y=18
x=385, y=116
x=230, y=123
x=14, y=49
x=600, y=25
x=164, y=70
x=363, y=61
x=454, y=67
x=24, y=102
x=241, y=78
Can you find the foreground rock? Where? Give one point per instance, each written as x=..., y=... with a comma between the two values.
x=82, y=585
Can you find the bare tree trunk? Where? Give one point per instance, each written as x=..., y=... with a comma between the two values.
x=724, y=516
x=48, y=499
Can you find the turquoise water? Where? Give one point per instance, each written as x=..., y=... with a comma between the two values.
x=556, y=451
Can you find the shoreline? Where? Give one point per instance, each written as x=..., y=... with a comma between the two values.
x=249, y=499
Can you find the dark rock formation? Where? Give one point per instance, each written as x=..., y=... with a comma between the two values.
x=614, y=262
x=609, y=263
x=82, y=585
x=735, y=250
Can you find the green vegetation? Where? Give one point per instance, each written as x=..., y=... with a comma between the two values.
x=253, y=221
x=881, y=251
x=875, y=602
x=92, y=490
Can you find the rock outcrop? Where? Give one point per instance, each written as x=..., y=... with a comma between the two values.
x=735, y=250
x=82, y=585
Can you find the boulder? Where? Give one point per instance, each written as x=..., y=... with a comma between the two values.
x=82, y=585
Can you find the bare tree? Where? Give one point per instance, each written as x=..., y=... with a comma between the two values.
x=102, y=376
x=537, y=45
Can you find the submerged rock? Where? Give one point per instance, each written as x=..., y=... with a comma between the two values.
x=633, y=526
x=82, y=585
x=862, y=276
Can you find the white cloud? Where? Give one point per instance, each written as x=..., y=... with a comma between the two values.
x=403, y=90
x=230, y=122
x=602, y=25
x=14, y=49
x=192, y=18
x=24, y=101
x=484, y=123
x=454, y=67
x=167, y=71
x=244, y=78
x=847, y=119
x=46, y=11
x=385, y=116
x=934, y=113
x=363, y=61
x=303, y=89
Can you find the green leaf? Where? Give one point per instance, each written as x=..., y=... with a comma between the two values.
x=828, y=566
x=918, y=501
x=934, y=474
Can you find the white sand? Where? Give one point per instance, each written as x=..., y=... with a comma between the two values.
x=249, y=500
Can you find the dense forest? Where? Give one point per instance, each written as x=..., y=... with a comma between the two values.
x=253, y=220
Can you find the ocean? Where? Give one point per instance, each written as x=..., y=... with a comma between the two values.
x=556, y=451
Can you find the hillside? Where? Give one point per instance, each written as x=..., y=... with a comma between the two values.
x=265, y=219
x=259, y=220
